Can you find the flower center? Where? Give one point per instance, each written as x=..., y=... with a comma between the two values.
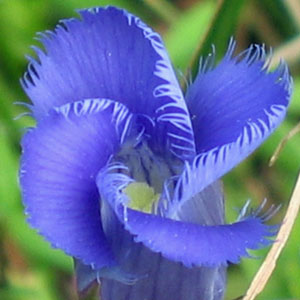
x=142, y=196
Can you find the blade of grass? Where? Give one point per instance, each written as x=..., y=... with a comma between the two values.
x=187, y=30
x=277, y=13
x=258, y=22
x=221, y=28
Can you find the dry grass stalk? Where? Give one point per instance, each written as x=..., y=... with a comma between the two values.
x=264, y=273
x=279, y=148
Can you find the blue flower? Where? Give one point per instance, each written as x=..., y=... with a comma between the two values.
x=121, y=172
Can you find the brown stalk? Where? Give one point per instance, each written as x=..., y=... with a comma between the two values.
x=281, y=145
x=264, y=273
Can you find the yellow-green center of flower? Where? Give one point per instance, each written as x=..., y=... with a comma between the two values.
x=141, y=196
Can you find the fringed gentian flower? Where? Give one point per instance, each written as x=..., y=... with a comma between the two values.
x=121, y=171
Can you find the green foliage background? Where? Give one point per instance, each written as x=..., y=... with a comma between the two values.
x=29, y=268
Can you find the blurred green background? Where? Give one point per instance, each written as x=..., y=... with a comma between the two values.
x=29, y=269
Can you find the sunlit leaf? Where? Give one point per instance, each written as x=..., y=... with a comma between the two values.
x=222, y=27
x=182, y=38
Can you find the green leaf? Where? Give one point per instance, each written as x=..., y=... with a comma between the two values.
x=276, y=12
x=221, y=28
x=184, y=35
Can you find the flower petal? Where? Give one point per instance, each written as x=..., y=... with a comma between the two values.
x=111, y=54
x=86, y=276
x=234, y=107
x=206, y=208
x=197, y=245
x=162, y=279
x=185, y=242
x=237, y=95
x=157, y=277
x=61, y=158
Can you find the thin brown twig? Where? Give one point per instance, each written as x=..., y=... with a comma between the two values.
x=264, y=273
x=283, y=142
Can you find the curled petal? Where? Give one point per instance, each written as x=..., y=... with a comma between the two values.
x=197, y=245
x=161, y=278
x=185, y=242
x=238, y=97
x=234, y=107
x=112, y=54
x=156, y=276
x=60, y=160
